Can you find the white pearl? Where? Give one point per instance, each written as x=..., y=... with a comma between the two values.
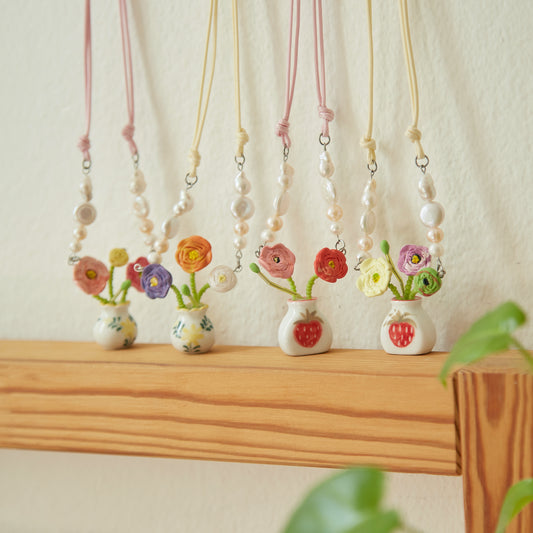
x=141, y=207
x=436, y=250
x=267, y=235
x=286, y=169
x=146, y=225
x=185, y=203
x=85, y=214
x=149, y=240
x=80, y=233
x=137, y=184
x=179, y=208
x=361, y=256
x=426, y=188
x=281, y=203
x=365, y=243
x=369, y=199
x=75, y=246
x=368, y=222
x=242, y=184
x=370, y=185
x=241, y=228
x=336, y=228
x=435, y=235
x=275, y=223
x=86, y=189
x=161, y=245
x=169, y=228
x=329, y=191
x=154, y=257
x=242, y=207
x=285, y=181
x=334, y=213
x=239, y=242
x=326, y=166
x=432, y=214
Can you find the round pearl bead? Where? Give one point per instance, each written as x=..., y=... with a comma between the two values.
x=161, y=245
x=239, y=242
x=267, y=235
x=286, y=169
x=146, y=225
x=365, y=243
x=329, y=192
x=336, y=228
x=368, y=222
x=369, y=199
x=137, y=184
x=80, y=233
x=426, y=188
x=285, y=181
x=432, y=214
x=281, y=203
x=75, y=246
x=334, y=213
x=241, y=228
x=242, y=207
x=242, y=184
x=436, y=250
x=141, y=207
x=86, y=189
x=154, y=257
x=326, y=166
x=149, y=240
x=275, y=223
x=170, y=227
x=361, y=256
x=85, y=214
x=435, y=235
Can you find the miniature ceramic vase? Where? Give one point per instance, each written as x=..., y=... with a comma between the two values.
x=115, y=327
x=408, y=329
x=193, y=332
x=303, y=330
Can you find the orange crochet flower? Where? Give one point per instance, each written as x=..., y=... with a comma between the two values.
x=193, y=254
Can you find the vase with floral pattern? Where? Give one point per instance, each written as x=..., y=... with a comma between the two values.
x=115, y=327
x=304, y=330
x=408, y=329
x=193, y=332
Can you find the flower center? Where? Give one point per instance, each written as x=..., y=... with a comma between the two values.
x=91, y=274
x=154, y=282
x=415, y=259
x=194, y=255
x=221, y=278
x=375, y=277
x=331, y=264
x=425, y=281
x=276, y=259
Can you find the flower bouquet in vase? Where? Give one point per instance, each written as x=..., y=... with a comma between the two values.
x=407, y=329
x=303, y=330
x=193, y=332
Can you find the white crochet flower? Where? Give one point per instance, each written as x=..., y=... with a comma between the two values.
x=222, y=278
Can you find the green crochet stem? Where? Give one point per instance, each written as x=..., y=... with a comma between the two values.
x=100, y=299
x=276, y=286
x=394, y=291
x=395, y=272
x=407, y=294
x=292, y=285
x=309, y=286
x=194, y=294
x=110, y=282
x=202, y=291
x=179, y=297
x=523, y=351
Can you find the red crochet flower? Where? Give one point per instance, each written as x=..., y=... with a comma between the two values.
x=133, y=275
x=91, y=275
x=277, y=260
x=330, y=265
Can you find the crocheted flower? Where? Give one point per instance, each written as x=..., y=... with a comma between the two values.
x=375, y=276
x=427, y=282
x=277, y=260
x=91, y=275
x=222, y=278
x=118, y=257
x=330, y=265
x=133, y=275
x=413, y=258
x=193, y=254
x=156, y=281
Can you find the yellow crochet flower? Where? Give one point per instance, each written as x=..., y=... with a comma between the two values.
x=118, y=257
x=375, y=276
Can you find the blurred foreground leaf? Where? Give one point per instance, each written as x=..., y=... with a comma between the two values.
x=517, y=497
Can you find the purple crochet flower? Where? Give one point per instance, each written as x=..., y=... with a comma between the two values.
x=156, y=281
x=413, y=258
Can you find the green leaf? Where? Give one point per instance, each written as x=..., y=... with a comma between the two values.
x=348, y=502
x=517, y=497
x=490, y=334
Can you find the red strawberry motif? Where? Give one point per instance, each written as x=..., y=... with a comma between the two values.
x=401, y=334
x=307, y=332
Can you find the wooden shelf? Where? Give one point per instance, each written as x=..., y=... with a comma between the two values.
x=244, y=404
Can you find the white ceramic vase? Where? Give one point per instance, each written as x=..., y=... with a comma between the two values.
x=408, y=329
x=304, y=330
x=115, y=327
x=193, y=332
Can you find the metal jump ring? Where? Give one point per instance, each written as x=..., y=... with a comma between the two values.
x=324, y=140
x=422, y=165
x=190, y=180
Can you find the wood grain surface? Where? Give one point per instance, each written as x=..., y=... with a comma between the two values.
x=246, y=404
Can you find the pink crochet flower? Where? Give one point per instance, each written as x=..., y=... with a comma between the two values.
x=330, y=265
x=277, y=260
x=413, y=258
x=91, y=275
x=133, y=275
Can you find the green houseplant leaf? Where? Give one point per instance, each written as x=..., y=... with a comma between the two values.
x=490, y=334
x=349, y=502
x=517, y=497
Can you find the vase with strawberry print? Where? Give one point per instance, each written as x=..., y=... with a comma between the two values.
x=193, y=332
x=408, y=329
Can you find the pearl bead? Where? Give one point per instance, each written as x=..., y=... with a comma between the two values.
x=368, y=222
x=185, y=203
x=334, y=213
x=436, y=250
x=329, y=191
x=149, y=240
x=242, y=184
x=286, y=169
x=141, y=207
x=275, y=223
x=336, y=228
x=281, y=203
x=370, y=185
x=75, y=246
x=426, y=188
x=241, y=228
x=80, y=233
x=435, y=235
x=169, y=228
x=326, y=166
x=146, y=225
x=267, y=235
x=369, y=199
x=239, y=242
x=285, y=181
x=361, y=256
x=154, y=257
x=137, y=184
x=432, y=214
x=365, y=243
x=85, y=214
x=242, y=207
x=178, y=208
x=161, y=245
x=86, y=189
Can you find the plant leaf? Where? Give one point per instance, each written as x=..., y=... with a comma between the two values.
x=517, y=497
x=348, y=502
x=490, y=334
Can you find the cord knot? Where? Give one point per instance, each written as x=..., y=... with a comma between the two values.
x=282, y=130
x=194, y=160
x=128, y=131
x=413, y=134
x=242, y=139
x=368, y=143
x=84, y=145
x=326, y=113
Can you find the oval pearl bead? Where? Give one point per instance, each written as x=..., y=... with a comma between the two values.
x=369, y=199
x=426, y=188
x=368, y=222
x=86, y=189
x=239, y=242
x=141, y=207
x=267, y=235
x=334, y=213
x=365, y=243
x=161, y=245
x=85, y=214
x=281, y=203
x=326, y=166
x=436, y=250
x=329, y=191
x=80, y=233
x=154, y=257
x=286, y=169
x=169, y=228
x=241, y=228
x=146, y=225
x=435, y=235
x=275, y=223
x=149, y=240
x=242, y=207
x=432, y=214
x=370, y=185
x=242, y=184
x=75, y=246
x=137, y=184
x=336, y=228
x=185, y=203
x=285, y=181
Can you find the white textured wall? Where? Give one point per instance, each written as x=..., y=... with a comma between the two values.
x=474, y=66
